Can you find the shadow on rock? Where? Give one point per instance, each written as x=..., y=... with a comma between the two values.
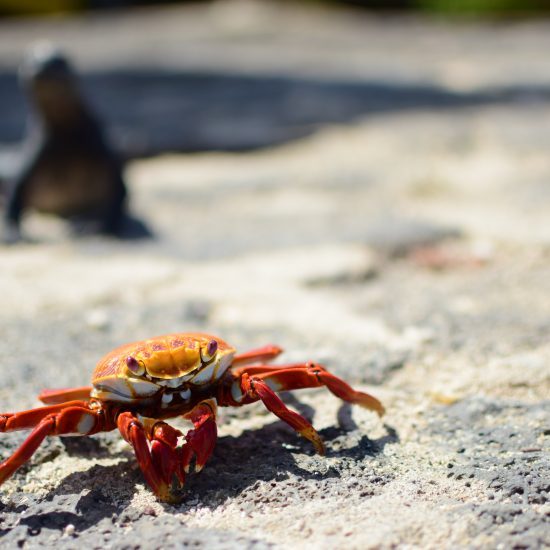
x=63, y=506
x=102, y=494
x=270, y=454
x=89, y=447
x=346, y=424
x=132, y=229
x=151, y=111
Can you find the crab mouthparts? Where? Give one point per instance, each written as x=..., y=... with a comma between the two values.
x=173, y=397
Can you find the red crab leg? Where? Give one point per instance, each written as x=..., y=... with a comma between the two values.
x=309, y=375
x=250, y=383
x=160, y=463
x=256, y=386
x=62, y=395
x=71, y=418
x=202, y=440
x=265, y=353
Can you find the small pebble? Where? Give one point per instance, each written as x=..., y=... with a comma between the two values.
x=97, y=319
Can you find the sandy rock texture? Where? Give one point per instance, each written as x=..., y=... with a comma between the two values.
x=398, y=234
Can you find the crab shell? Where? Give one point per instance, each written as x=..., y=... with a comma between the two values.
x=140, y=370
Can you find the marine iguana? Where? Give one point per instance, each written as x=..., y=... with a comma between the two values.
x=68, y=168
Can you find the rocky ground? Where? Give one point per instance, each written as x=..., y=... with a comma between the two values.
x=399, y=233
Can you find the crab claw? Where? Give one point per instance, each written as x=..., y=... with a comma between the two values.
x=165, y=455
x=201, y=441
x=167, y=463
x=157, y=455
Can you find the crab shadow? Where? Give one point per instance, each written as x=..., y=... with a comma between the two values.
x=84, y=509
x=103, y=494
x=275, y=453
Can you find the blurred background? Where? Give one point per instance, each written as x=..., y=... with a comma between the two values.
x=254, y=127
x=245, y=75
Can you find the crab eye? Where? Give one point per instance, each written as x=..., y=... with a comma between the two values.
x=209, y=351
x=212, y=347
x=134, y=365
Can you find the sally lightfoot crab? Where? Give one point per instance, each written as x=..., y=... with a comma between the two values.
x=137, y=386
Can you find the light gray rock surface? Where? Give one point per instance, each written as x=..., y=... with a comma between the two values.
x=406, y=248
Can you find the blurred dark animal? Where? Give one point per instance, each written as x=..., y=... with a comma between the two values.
x=67, y=168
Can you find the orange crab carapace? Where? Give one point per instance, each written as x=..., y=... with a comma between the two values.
x=137, y=386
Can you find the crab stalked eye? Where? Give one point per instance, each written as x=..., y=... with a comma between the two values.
x=209, y=350
x=212, y=347
x=134, y=365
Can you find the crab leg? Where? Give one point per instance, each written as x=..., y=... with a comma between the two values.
x=260, y=382
x=160, y=463
x=202, y=440
x=265, y=353
x=239, y=388
x=71, y=418
x=309, y=375
x=256, y=386
x=51, y=397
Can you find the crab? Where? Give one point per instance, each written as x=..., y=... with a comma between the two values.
x=137, y=386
